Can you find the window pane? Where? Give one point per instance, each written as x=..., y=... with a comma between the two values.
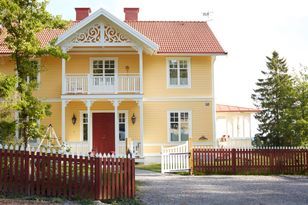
x=184, y=131
x=183, y=64
x=85, y=132
x=109, y=72
x=183, y=77
x=173, y=76
x=184, y=116
x=174, y=132
x=173, y=64
x=122, y=132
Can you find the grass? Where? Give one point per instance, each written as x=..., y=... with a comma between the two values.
x=149, y=167
x=157, y=168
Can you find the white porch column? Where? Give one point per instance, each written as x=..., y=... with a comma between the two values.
x=90, y=137
x=116, y=104
x=63, y=122
x=213, y=103
x=140, y=103
x=140, y=52
x=63, y=76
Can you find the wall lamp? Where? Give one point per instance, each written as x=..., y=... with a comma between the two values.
x=133, y=119
x=74, y=119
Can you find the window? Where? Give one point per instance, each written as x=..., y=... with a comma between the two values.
x=85, y=127
x=179, y=126
x=122, y=127
x=103, y=67
x=178, y=72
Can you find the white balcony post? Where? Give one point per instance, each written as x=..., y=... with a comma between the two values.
x=116, y=83
x=63, y=122
x=141, y=68
x=140, y=103
x=90, y=137
x=89, y=84
x=63, y=74
x=116, y=125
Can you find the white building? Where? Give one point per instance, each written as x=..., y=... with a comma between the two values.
x=234, y=125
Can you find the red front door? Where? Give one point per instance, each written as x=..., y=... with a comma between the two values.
x=103, y=132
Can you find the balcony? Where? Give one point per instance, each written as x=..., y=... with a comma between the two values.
x=92, y=84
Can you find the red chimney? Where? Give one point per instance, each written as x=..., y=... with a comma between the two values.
x=131, y=14
x=82, y=13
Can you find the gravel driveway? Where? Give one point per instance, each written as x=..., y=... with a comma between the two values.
x=156, y=189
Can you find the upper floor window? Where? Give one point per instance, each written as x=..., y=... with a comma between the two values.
x=178, y=72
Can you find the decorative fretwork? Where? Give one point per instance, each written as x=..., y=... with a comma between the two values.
x=111, y=35
x=91, y=35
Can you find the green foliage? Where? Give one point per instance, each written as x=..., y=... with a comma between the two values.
x=282, y=101
x=23, y=20
x=300, y=108
x=149, y=167
x=7, y=106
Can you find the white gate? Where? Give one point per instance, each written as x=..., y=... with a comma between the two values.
x=175, y=158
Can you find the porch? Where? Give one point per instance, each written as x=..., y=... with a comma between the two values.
x=110, y=125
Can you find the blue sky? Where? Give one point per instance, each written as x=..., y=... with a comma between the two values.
x=248, y=30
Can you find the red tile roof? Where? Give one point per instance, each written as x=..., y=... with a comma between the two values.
x=229, y=108
x=179, y=36
x=171, y=36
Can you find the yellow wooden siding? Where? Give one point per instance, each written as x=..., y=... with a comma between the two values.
x=155, y=78
x=55, y=118
x=156, y=124
x=81, y=63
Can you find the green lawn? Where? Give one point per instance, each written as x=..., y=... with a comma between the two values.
x=149, y=167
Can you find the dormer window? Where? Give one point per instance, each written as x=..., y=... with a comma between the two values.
x=178, y=71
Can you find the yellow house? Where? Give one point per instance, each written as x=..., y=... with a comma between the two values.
x=128, y=84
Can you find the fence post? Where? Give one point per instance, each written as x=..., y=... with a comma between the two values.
x=191, y=156
x=233, y=161
x=98, y=177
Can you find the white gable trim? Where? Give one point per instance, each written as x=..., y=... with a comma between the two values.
x=102, y=12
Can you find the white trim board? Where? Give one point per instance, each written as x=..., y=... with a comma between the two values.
x=175, y=99
x=100, y=97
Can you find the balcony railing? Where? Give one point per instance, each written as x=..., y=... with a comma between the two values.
x=90, y=84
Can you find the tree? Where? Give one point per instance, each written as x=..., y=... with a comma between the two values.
x=275, y=97
x=9, y=100
x=22, y=20
x=300, y=108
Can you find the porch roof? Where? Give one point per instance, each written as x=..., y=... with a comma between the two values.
x=230, y=108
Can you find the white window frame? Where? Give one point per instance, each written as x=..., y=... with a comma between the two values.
x=189, y=125
x=188, y=59
x=100, y=111
x=104, y=59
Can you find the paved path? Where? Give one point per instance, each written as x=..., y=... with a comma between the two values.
x=156, y=189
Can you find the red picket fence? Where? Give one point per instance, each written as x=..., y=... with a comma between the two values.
x=58, y=175
x=250, y=161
